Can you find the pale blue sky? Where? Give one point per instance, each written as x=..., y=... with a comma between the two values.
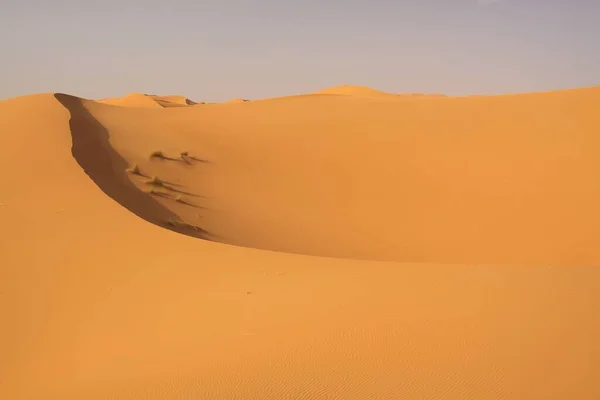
x=214, y=50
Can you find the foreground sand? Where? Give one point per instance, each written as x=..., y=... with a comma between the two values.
x=387, y=248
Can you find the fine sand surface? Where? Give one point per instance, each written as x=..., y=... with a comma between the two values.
x=347, y=244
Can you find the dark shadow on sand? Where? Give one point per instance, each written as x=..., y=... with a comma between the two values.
x=92, y=151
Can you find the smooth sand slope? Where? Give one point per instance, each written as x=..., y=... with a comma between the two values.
x=460, y=235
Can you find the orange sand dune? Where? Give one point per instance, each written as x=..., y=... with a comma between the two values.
x=149, y=101
x=132, y=100
x=363, y=91
x=480, y=180
x=174, y=99
x=460, y=235
x=422, y=94
x=236, y=101
x=352, y=90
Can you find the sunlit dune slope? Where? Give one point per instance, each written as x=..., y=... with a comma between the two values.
x=506, y=179
x=102, y=298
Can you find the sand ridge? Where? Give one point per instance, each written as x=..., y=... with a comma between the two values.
x=485, y=209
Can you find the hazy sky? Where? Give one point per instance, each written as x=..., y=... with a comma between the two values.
x=214, y=50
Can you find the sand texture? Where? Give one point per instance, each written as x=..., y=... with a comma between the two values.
x=346, y=244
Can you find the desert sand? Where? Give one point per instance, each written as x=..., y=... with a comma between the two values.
x=345, y=244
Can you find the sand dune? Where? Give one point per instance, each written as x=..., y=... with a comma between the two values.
x=149, y=101
x=366, y=92
x=468, y=186
x=459, y=235
x=174, y=99
x=422, y=95
x=352, y=90
x=132, y=100
x=236, y=101
x=363, y=91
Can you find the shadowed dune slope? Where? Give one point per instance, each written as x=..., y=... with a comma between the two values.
x=97, y=301
x=93, y=152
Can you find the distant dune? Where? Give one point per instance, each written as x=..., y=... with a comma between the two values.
x=422, y=95
x=132, y=100
x=174, y=99
x=350, y=90
x=363, y=91
x=149, y=101
x=346, y=244
x=236, y=101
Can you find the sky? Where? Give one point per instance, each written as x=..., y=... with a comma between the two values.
x=216, y=50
